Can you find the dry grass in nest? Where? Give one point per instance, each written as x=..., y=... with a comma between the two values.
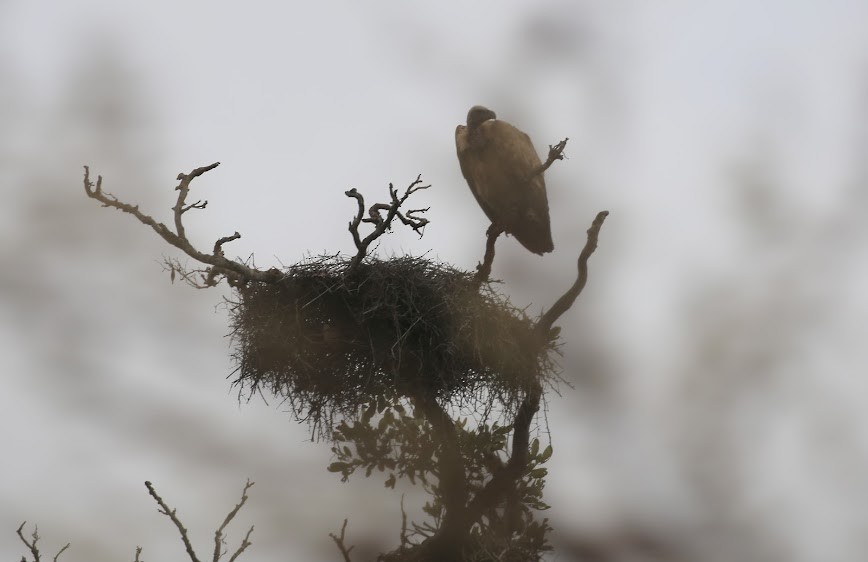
x=328, y=340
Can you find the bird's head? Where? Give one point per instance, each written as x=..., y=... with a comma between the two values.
x=478, y=115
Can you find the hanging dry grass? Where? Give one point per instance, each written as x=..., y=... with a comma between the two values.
x=328, y=337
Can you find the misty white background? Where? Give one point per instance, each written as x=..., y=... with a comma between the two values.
x=718, y=353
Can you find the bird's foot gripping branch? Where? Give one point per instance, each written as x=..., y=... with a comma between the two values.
x=381, y=357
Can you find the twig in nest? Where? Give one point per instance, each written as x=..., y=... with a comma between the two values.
x=339, y=540
x=567, y=299
x=236, y=273
x=383, y=223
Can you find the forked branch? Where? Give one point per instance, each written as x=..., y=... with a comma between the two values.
x=236, y=273
x=31, y=545
x=219, y=542
x=556, y=152
x=383, y=223
x=339, y=541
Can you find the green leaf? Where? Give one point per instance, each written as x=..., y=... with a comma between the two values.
x=534, y=447
x=338, y=466
x=538, y=472
x=546, y=455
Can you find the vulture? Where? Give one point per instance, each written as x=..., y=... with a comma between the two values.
x=498, y=161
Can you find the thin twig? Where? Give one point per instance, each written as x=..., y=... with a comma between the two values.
x=138, y=554
x=59, y=552
x=218, y=535
x=340, y=542
x=567, y=299
x=170, y=513
x=31, y=546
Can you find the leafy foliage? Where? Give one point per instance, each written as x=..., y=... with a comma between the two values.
x=395, y=439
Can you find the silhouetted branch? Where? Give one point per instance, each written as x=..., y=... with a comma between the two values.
x=170, y=513
x=218, y=535
x=404, y=540
x=382, y=224
x=138, y=555
x=235, y=272
x=31, y=546
x=567, y=299
x=340, y=542
x=556, y=152
x=503, y=481
x=483, y=270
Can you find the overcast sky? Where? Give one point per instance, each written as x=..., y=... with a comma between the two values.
x=718, y=352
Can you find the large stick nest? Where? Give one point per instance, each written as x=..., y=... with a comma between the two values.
x=328, y=338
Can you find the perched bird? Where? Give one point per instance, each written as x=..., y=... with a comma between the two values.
x=500, y=163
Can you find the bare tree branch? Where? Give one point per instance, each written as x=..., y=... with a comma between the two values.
x=170, y=513
x=138, y=555
x=340, y=542
x=502, y=482
x=31, y=546
x=556, y=152
x=567, y=299
x=235, y=272
x=218, y=535
x=483, y=270
x=219, y=542
x=382, y=224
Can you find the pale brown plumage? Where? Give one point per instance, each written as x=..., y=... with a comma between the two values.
x=498, y=161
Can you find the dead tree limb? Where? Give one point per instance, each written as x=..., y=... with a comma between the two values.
x=171, y=514
x=381, y=223
x=556, y=152
x=339, y=541
x=235, y=272
x=218, y=535
x=503, y=481
x=567, y=299
x=483, y=270
x=31, y=545
x=219, y=542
